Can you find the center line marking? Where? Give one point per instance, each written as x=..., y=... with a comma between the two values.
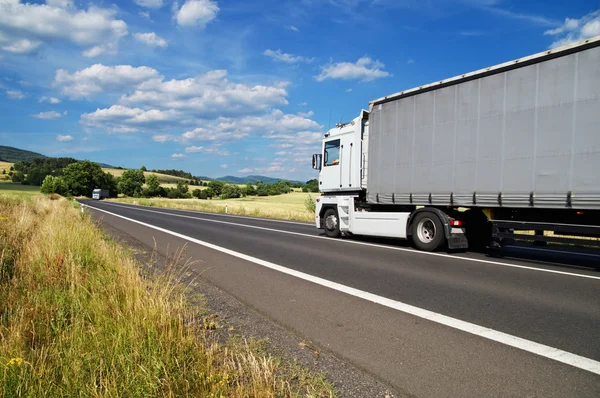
x=488, y=262
x=545, y=351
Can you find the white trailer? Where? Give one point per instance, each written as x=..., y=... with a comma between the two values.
x=99, y=194
x=460, y=161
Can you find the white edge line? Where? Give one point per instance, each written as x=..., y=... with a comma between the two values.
x=489, y=262
x=555, y=354
x=217, y=214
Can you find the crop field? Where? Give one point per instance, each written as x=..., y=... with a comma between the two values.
x=5, y=166
x=289, y=206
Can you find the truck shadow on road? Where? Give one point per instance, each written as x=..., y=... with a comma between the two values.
x=555, y=256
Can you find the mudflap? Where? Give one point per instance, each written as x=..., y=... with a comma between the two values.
x=457, y=241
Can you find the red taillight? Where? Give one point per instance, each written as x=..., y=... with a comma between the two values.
x=457, y=223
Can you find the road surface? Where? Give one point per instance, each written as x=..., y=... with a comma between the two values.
x=426, y=324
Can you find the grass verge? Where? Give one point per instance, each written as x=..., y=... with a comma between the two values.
x=77, y=318
x=291, y=206
x=18, y=191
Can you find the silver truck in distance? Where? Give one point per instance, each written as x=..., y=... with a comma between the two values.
x=99, y=194
x=467, y=161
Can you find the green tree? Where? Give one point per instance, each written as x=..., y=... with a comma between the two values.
x=250, y=190
x=210, y=193
x=143, y=168
x=182, y=187
x=83, y=177
x=217, y=187
x=18, y=176
x=311, y=186
x=53, y=184
x=12, y=168
x=231, y=191
x=131, y=183
x=3, y=171
x=153, y=185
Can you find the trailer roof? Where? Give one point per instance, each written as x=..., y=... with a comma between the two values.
x=569, y=48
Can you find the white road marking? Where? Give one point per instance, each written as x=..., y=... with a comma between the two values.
x=555, y=354
x=488, y=262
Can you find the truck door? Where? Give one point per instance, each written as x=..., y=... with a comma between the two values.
x=331, y=174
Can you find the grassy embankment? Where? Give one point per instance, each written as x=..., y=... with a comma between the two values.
x=76, y=318
x=289, y=206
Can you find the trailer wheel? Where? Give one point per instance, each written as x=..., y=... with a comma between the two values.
x=428, y=232
x=331, y=223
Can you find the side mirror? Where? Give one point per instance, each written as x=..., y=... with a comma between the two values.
x=316, y=161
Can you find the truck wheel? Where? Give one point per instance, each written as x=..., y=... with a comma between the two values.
x=428, y=232
x=331, y=223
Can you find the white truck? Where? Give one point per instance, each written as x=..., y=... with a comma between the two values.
x=469, y=160
x=99, y=194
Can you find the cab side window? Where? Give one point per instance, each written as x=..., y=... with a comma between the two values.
x=332, y=153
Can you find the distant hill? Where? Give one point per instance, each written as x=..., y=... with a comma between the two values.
x=13, y=155
x=252, y=179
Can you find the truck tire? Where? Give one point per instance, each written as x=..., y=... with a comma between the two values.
x=428, y=232
x=331, y=223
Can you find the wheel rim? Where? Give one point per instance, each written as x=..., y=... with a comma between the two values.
x=426, y=230
x=331, y=222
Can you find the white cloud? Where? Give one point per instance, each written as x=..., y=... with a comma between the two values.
x=178, y=156
x=410, y=61
x=25, y=26
x=246, y=170
x=162, y=138
x=196, y=13
x=100, y=78
x=287, y=58
x=573, y=30
x=64, y=138
x=292, y=28
x=214, y=150
x=309, y=113
x=364, y=69
x=210, y=94
x=349, y=90
x=21, y=46
x=151, y=39
x=121, y=119
x=51, y=100
x=149, y=3
x=15, y=94
x=47, y=115
x=224, y=166
x=146, y=15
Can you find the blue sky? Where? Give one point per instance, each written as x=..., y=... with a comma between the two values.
x=241, y=87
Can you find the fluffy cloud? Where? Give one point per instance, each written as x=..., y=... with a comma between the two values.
x=149, y=3
x=246, y=170
x=64, y=138
x=121, y=119
x=287, y=58
x=15, y=94
x=51, y=100
x=364, y=69
x=151, y=39
x=196, y=13
x=573, y=30
x=47, y=115
x=99, y=78
x=25, y=26
x=208, y=95
x=224, y=166
x=292, y=28
x=178, y=156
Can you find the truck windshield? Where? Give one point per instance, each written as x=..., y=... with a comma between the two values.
x=332, y=153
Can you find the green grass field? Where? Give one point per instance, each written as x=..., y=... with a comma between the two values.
x=289, y=206
x=162, y=178
x=18, y=191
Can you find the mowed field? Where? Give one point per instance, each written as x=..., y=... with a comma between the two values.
x=289, y=206
x=18, y=191
x=162, y=178
x=5, y=166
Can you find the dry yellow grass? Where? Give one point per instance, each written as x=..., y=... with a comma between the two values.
x=5, y=166
x=283, y=207
x=78, y=319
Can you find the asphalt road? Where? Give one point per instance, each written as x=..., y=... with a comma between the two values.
x=530, y=302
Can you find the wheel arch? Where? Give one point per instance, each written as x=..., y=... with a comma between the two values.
x=444, y=218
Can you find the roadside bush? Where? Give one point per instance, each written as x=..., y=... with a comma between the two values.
x=310, y=204
x=231, y=192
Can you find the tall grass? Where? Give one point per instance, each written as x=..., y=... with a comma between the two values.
x=77, y=318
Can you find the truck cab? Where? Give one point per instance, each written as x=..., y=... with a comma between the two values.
x=340, y=163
